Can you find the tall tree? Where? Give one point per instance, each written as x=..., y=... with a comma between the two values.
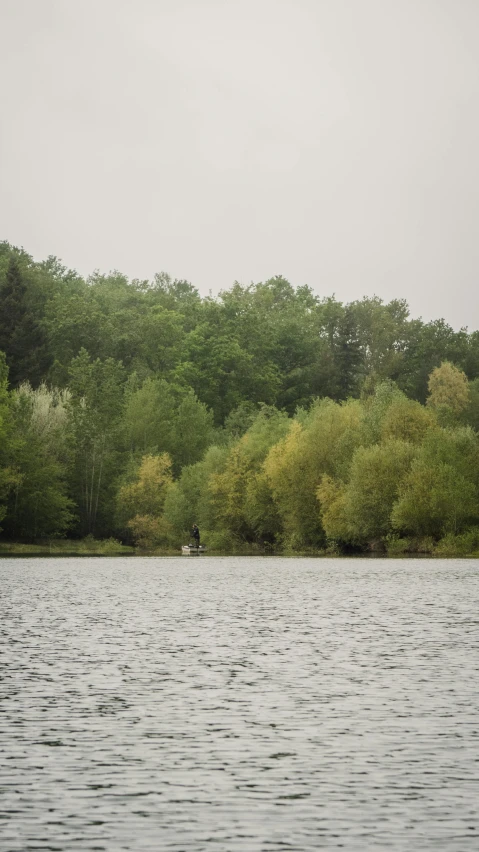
x=319, y=442
x=140, y=502
x=449, y=393
x=39, y=505
x=8, y=477
x=21, y=337
x=96, y=406
x=160, y=417
x=237, y=490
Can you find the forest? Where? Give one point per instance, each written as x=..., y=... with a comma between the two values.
x=275, y=418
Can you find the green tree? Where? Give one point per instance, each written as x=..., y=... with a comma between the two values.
x=360, y=511
x=470, y=415
x=428, y=345
x=240, y=419
x=382, y=331
x=160, y=417
x=96, y=407
x=341, y=359
x=39, y=505
x=20, y=334
x=223, y=373
x=440, y=494
x=190, y=501
x=378, y=410
x=7, y=474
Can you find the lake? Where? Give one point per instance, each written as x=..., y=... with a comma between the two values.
x=255, y=704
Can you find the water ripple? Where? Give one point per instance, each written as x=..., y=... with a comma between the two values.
x=238, y=704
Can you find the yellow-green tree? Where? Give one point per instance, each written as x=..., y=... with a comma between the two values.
x=321, y=442
x=332, y=498
x=141, y=501
x=375, y=476
x=406, y=420
x=282, y=468
x=440, y=493
x=375, y=407
x=189, y=499
x=228, y=491
x=448, y=392
x=241, y=499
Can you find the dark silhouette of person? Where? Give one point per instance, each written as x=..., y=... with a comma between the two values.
x=196, y=535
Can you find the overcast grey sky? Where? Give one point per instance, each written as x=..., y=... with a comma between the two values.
x=333, y=141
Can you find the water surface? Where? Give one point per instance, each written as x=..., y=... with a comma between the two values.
x=254, y=704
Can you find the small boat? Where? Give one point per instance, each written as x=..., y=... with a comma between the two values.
x=192, y=549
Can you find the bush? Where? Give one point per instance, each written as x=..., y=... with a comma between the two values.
x=221, y=540
x=466, y=544
x=149, y=531
x=398, y=546
x=110, y=545
x=424, y=545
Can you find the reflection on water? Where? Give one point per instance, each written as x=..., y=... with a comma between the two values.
x=239, y=704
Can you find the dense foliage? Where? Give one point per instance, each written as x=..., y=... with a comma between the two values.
x=269, y=415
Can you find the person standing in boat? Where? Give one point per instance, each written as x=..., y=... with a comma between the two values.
x=196, y=535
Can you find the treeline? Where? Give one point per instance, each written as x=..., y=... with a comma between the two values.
x=269, y=415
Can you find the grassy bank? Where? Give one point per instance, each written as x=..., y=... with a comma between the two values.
x=67, y=547
x=464, y=546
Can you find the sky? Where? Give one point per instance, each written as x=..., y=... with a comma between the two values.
x=335, y=142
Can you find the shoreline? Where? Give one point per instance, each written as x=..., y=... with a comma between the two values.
x=112, y=548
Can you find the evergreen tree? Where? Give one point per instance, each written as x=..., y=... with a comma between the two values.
x=20, y=335
x=7, y=475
